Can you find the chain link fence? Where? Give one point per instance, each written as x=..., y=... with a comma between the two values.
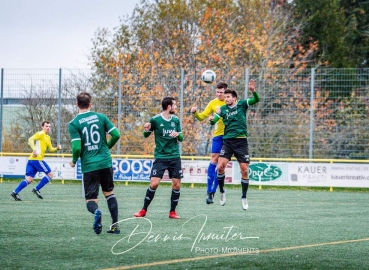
x=312, y=113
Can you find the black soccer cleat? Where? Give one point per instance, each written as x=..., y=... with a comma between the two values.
x=114, y=228
x=97, y=226
x=209, y=199
x=37, y=192
x=15, y=196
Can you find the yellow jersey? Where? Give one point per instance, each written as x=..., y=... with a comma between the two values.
x=209, y=110
x=40, y=142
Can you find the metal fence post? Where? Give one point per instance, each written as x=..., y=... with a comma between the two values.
x=1, y=108
x=311, y=113
x=119, y=104
x=247, y=79
x=59, y=105
x=181, y=105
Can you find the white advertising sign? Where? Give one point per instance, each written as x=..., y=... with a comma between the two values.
x=329, y=174
x=195, y=171
x=60, y=168
x=13, y=166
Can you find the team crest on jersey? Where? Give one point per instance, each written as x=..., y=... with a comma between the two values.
x=172, y=124
x=161, y=125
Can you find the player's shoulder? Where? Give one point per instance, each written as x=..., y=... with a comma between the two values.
x=156, y=118
x=216, y=102
x=241, y=102
x=175, y=117
x=39, y=133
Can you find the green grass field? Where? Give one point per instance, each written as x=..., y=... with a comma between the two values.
x=283, y=229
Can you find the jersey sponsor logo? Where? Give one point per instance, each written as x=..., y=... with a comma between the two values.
x=229, y=114
x=167, y=131
x=91, y=118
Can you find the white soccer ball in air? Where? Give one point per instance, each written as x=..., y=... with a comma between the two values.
x=208, y=76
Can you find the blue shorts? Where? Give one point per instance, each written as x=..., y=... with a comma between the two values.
x=34, y=166
x=217, y=144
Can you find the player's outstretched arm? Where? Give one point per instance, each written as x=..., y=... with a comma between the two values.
x=202, y=115
x=256, y=98
x=216, y=119
x=115, y=136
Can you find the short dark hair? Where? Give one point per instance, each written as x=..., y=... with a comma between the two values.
x=83, y=100
x=231, y=91
x=221, y=85
x=45, y=122
x=166, y=102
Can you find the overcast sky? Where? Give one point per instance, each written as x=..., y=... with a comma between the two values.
x=54, y=33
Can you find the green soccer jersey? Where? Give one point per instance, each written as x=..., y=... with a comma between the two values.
x=234, y=119
x=90, y=128
x=165, y=146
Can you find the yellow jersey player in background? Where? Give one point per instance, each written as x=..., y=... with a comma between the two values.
x=217, y=141
x=39, y=143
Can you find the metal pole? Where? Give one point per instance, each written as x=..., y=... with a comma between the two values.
x=120, y=90
x=1, y=109
x=247, y=79
x=59, y=104
x=311, y=113
x=181, y=105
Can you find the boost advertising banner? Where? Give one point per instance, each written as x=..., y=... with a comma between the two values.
x=126, y=169
x=139, y=170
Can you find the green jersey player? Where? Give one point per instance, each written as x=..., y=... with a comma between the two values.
x=235, y=138
x=88, y=136
x=168, y=132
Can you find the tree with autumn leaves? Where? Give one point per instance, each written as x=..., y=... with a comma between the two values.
x=162, y=38
x=166, y=41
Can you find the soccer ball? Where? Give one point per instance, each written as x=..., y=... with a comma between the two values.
x=208, y=76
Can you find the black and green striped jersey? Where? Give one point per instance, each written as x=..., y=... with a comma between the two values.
x=165, y=146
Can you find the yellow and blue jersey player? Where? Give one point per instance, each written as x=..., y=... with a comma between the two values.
x=217, y=141
x=39, y=143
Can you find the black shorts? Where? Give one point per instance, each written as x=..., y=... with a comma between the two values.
x=238, y=147
x=173, y=165
x=93, y=180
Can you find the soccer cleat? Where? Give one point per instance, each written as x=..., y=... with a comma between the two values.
x=174, y=215
x=114, y=228
x=37, y=192
x=245, y=205
x=223, y=198
x=15, y=196
x=209, y=199
x=97, y=226
x=140, y=213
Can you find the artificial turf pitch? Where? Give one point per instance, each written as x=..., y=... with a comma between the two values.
x=283, y=229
